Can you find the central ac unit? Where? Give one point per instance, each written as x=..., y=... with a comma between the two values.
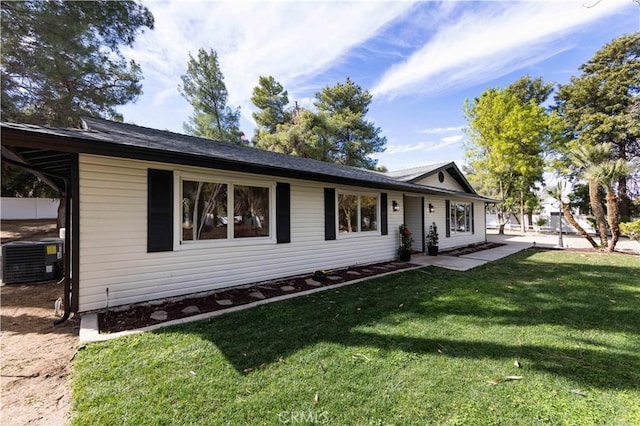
x=31, y=261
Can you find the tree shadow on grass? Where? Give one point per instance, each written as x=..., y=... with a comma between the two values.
x=516, y=292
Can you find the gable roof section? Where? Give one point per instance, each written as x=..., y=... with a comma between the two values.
x=109, y=138
x=418, y=173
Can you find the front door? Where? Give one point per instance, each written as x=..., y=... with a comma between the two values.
x=414, y=219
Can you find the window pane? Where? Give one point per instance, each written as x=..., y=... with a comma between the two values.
x=467, y=215
x=251, y=211
x=347, y=213
x=204, y=211
x=368, y=213
x=452, y=217
x=460, y=218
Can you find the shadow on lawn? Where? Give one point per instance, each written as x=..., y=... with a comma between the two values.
x=579, y=296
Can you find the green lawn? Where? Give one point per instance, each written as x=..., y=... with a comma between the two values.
x=416, y=347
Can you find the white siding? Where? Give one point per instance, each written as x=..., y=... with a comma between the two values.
x=439, y=217
x=449, y=182
x=113, y=239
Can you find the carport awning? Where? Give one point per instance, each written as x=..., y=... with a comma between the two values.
x=52, y=167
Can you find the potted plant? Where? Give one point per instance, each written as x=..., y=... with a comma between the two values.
x=405, y=243
x=432, y=240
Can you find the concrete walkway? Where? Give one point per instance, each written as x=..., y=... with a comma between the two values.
x=470, y=261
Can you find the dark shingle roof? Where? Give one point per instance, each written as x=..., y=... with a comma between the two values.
x=106, y=137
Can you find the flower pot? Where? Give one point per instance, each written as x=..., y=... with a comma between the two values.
x=432, y=250
x=405, y=256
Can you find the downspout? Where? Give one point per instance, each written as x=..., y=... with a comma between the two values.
x=67, y=236
x=67, y=258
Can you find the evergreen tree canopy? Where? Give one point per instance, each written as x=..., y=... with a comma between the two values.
x=62, y=59
x=203, y=86
x=337, y=132
x=527, y=90
x=353, y=139
x=602, y=105
x=272, y=100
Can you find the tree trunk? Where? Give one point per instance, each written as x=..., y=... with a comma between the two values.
x=530, y=220
x=614, y=220
x=501, y=222
x=598, y=212
x=61, y=212
x=569, y=216
x=522, y=226
x=624, y=202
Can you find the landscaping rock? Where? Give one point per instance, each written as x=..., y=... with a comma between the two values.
x=190, y=310
x=159, y=315
x=312, y=282
x=224, y=302
x=257, y=295
x=287, y=288
x=354, y=273
x=333, y=278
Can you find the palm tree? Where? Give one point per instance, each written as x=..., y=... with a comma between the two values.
x=607, y=174
x=587, y=158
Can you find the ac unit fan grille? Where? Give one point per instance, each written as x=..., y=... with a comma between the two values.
x=23, y=263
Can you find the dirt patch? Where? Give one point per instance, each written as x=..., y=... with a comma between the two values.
x=35, y=356
x=27, y=230
x=139, y=316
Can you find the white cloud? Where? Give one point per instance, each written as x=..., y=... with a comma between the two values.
x=423, y=146
x=290, y=41
x=452, y=139
x=439, y=130
x=491, y=40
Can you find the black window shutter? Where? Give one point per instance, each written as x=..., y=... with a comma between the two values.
x=447, y=212
x=329, y=214
x=384, y=226
x=473, y=228
x=283, y=212
x=159, y=210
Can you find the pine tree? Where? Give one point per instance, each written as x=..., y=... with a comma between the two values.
x=62, y=59
x=203, y=86
x=352, y=138
x=271, y=99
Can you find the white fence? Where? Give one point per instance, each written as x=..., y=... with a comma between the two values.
x=29, y=208
x=552, y=223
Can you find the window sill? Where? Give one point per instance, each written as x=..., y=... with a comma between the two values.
x=217, y=244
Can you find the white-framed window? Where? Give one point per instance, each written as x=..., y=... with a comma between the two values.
x=357, y=213
x=218, y=210
x=204, y=210
x=251, y=210
x=460, y=217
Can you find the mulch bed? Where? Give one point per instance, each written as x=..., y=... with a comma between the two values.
x=471, y=248
x=139, y=316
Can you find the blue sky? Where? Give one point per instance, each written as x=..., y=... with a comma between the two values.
x=420, y=60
